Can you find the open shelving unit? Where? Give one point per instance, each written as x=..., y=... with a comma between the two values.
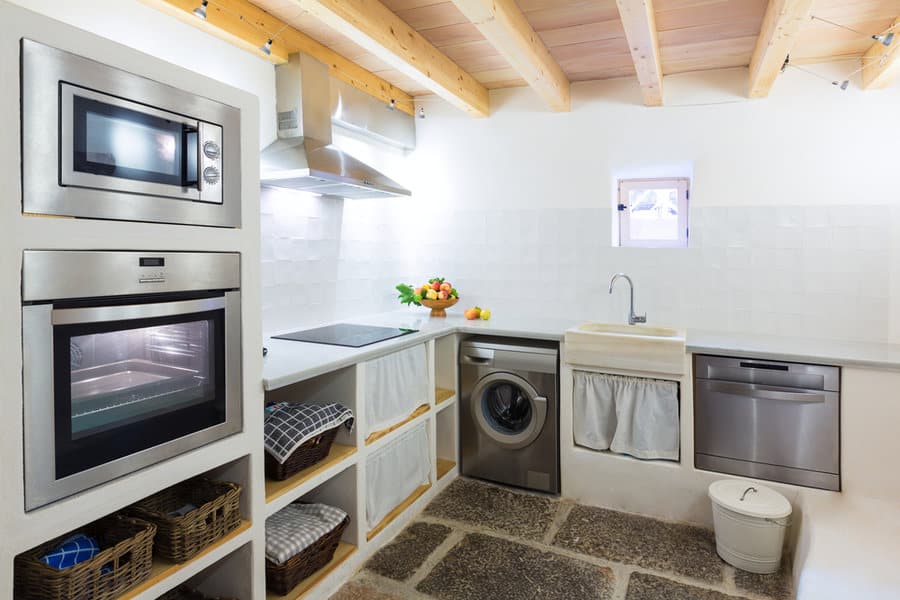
x=166, y=575
x=377, y=435
x=281, y=493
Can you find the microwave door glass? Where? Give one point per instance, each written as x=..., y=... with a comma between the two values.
x=115, y=141
x=126, y=389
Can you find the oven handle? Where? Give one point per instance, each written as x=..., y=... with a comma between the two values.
x=766, y=392
x=129, y=312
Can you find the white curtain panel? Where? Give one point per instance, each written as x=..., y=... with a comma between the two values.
x=396, y=385
x=395, y=471
x=627, y=415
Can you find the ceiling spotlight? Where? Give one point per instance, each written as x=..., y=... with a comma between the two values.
x=266, y=48
x=884, y=39
x=843, y=84
x=392, y=105
x=421, y=112
x=200, y=11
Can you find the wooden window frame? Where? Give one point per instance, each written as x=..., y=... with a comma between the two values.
x=682, y=184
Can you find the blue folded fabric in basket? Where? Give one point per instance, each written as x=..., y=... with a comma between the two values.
x=73, y=550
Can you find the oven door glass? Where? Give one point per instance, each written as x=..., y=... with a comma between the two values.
x=125, y=386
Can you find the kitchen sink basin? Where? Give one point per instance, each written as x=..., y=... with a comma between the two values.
x=639, y=348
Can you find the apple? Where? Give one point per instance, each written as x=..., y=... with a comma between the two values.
x=485, y=314
x=431, y=295
x=471, y=313
x=417, y=291
x=442, y=295
x=436, y=286
x=446, y=287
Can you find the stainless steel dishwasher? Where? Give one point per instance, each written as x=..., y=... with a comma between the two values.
x=769, y=420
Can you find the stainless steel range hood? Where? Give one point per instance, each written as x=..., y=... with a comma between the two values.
x=303, y=157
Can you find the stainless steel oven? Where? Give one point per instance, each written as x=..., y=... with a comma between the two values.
x=129, y=358
x=99, y=142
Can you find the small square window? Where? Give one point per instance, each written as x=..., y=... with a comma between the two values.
x=653, y=213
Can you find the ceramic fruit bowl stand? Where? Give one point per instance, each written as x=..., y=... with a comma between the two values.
x=439, y=307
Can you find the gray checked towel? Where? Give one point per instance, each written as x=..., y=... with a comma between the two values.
x=298, y=526
x=288, y=425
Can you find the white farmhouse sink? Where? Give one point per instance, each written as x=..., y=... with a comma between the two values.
x=640, y=348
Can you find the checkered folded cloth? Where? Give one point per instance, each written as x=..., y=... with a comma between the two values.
x=298, y=526
x=71, y=551
x=288, y=425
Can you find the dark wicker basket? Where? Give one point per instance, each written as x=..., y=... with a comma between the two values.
x=306, y=455
x=185, y=593
x=282, y=578
x=178, y=539
x=126, y=553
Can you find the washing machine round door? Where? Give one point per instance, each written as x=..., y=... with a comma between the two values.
x=508, y=409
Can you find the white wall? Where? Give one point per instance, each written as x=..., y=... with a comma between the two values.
x=791, y=205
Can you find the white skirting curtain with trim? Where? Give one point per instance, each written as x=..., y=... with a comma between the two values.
x=394, y=471
x=627, y=415
x=396, y=385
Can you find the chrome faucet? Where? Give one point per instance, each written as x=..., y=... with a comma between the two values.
x=632, y=318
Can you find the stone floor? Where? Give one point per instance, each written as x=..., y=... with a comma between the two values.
x=478, y=541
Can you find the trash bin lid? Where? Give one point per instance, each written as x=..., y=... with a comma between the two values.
x=758, y=501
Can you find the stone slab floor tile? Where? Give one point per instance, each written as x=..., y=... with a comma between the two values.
x=490, y=507
x=483, y=567
x=361, y=591
x=777, y=585
x=642, y=586
x=636, y=540
x=403, y=556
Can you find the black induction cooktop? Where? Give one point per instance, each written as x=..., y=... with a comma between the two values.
x=346, y=334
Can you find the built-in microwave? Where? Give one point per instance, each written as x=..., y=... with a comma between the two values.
x=99, y=142
x=129, y=358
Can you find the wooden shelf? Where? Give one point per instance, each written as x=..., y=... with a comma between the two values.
x=374, y=437
x=397, y=510
x=163, y=569
x=442, y=395
x=343, y=552
x=444, y=466
x=337, y=453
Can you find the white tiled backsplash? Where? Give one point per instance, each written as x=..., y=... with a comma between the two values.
x=789, y=270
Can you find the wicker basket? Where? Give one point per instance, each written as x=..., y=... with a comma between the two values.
x=185, y=593
x=282, y=578
x=306, y=455
x=178, y=539
x=126, y=555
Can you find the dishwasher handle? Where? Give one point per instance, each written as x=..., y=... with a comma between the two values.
x=766, y=392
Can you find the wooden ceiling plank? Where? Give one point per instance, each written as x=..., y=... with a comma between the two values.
x=881, y=64
x=506, y=28
x=245, y=25
x=373, y=26
x=780, y=27
x=639, y=20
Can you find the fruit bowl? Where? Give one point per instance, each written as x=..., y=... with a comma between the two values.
x=438, y=307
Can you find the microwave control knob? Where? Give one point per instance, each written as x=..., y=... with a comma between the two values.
x=211, y=175
x=211, y=150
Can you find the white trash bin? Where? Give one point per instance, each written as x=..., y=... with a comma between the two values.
x=750, y=522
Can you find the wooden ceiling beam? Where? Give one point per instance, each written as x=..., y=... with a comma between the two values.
x=507, y=29
x=881, y=64
x=781, y=24
x=224, y=20
x=372, y=25
x=639, y=20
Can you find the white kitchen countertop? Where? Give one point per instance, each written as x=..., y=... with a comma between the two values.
x=288, y=362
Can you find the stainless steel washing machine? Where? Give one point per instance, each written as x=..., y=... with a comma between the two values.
x=509, y=412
